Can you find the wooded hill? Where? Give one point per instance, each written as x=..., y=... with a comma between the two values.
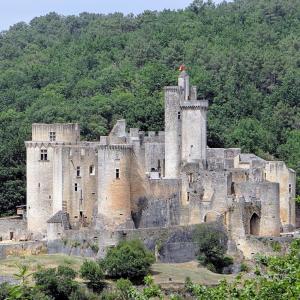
x=93, y=69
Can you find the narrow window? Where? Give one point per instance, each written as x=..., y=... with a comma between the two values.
x=290, y=188
x=52, y=136
x=11, y=235
x=179, y=115
x=44, y=154
x=188, y=196
x=92, y=170
x=117, y=173
x=78, y=171
x=191, y=179
x=76, y=187
x=158, y=165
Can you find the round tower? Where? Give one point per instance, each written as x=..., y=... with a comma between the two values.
x=39, y=174
x=114, y=209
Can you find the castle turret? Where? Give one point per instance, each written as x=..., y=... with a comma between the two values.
x=114, y=169
x=184, y=82
x=185, y=125
x=172, y=131
x=45, y=172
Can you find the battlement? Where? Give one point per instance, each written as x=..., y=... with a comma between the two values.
x=194, y=104
x=172, y=89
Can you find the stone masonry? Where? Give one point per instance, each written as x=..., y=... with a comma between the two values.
x=131, y=179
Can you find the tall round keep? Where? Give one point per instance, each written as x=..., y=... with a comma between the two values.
x=270, y=209
x=114, y=209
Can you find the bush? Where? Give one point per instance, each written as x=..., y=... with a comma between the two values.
x=212, y=243
x=93, y=273
x=130, y=259
x=57, y=283
x=124, y=286
x=244, y=267
x=276, y=247
x=4, y=290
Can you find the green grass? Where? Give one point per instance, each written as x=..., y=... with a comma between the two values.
x=9, y=266
x=162, y=273
x=178, y=272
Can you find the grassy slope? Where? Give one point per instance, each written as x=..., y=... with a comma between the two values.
x=161, y=272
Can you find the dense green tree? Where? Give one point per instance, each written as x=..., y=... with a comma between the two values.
x=129, y=259
x=57, y=283
x=93, y=273
x=212, y=246
x=94, y=68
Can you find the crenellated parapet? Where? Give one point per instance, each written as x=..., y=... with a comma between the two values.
x=194, y=104
x=119, y=147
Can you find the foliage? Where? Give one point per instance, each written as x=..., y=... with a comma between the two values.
x=57, y=283
x=244, y=267
x=95, y=248
x=129, y=259
x=4, y=291
x=276, y=246
x=278, y=277
x=243, y=56
x=93, y=273
x=212, y=245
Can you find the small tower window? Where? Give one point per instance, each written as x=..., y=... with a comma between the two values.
x=179, y=115
x=44, y=154
x=92, y=170
x=188, y=196
x=52, y=136
x=75, y=187
x=78, y=171
x=290, y=188
x=117, y=173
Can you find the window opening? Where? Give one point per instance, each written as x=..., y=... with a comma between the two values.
x=179, y=115
x=52, y=136
x=191, y=178
x=76, y=187
x=11, y=235
x=44, y=154
x=92, y=170
x=188, y=196
x=117, y=173
x=78, y=171
x=290, y=188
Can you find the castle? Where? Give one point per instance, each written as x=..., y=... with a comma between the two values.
x=131, y=179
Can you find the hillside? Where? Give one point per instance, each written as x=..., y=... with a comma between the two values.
x=93, y=69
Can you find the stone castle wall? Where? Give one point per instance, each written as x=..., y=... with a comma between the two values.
x=13, y=228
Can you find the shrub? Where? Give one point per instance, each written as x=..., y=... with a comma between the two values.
x=57, y=283
x=212, y=243
x=244, y=267
x=95, y=248
x=129, y=259
x=124, y=286
x=4, y=290
x=93, y=273
x=276, y=246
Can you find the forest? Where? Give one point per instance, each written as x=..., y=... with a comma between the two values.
x=93, y=69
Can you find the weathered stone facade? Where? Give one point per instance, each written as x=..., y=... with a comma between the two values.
x=132, y=180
